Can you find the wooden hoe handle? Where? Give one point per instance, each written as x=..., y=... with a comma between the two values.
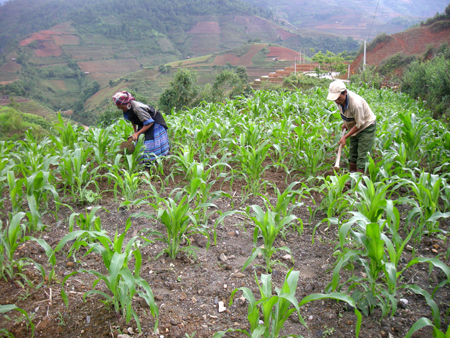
x=338, y=157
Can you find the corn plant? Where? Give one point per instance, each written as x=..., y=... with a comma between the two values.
x=126, y=184
x=423, y=322
x=10, y=238
x=427, y=191
x=286, y=203
x=38, y=188
x=200, y=190
x=15, y=191
x=270, y=225
x=335, y=201
x=251, y=161
x=177, y=219
x=10, y=307
x=276, y=309
x=78, y=175
x=379, y=257
x=104, y=145
x=68, y=136
x=312, y=157
x=120, y=282
x=412, y=131
x=32, y=155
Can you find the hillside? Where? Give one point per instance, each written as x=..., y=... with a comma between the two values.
x=353, y=18
x=414, y=41
x=63, y=65
x=258, y=59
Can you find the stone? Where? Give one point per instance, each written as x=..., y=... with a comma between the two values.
x=409, y=248
x=130, y=330
x=223, y=257
x=287, y=257
x=69, y=264
x=123, y=336
x=222, y=307
x=239, y=275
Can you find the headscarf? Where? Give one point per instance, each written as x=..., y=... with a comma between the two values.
x=122, y=97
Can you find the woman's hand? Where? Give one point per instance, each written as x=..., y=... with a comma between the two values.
x=134, y=137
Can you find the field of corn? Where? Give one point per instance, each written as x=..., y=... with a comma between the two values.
x=241, y=231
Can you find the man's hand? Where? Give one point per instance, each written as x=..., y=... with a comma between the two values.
x=343, y=127
x=342, y=141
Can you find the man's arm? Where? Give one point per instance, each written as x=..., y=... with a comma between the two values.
x=350, y=133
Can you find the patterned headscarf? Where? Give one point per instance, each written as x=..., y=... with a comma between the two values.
x=122, y=97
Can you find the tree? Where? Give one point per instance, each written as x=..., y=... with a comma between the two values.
x=330, y=62
x=182, y=92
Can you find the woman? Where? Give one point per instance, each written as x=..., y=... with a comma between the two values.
x=146, y=120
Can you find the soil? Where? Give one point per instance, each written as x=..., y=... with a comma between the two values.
x=187, y=290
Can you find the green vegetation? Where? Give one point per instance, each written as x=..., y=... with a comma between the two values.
x=14, y=124
x=429, y=81
x=184, y=92
x=222, y=151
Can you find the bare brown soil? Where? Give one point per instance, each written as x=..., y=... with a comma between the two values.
x=187, y=290
x=410, y=42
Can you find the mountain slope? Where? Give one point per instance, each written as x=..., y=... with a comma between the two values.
x=413, y=41
x=354, y=17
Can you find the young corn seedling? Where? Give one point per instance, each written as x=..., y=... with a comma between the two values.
x=270, y=225
x=78, y=175
x=177, y=220
x=10, y=238
x=200, y=190
x=427, y=191
x=121, y=283
x=412, y=132
x=38, y=188
x=276, y=309
x=251, y=161
x=423, y=322
x=378, y=286
x=286, y=203
x=33, y=158
x=15, y=191
x=10, y=307
x=335, y=201
x=126, y=184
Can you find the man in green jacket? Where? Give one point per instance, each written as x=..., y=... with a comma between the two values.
x=359, y=121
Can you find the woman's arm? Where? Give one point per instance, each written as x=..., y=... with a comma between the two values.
x=135, y=136
x=134, y=127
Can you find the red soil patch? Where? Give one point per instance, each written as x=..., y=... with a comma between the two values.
x=35, y=37
x=284, y=34
x=283, y=54
x=50, y=40
x=412, y=41
x=66, y=39
x=48, y=48
x=244, y=60
x=206, y=27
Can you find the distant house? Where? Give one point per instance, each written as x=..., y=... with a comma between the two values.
x=13, y=59
x=86, y=73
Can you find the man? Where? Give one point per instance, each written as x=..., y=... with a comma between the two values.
x=359, y=121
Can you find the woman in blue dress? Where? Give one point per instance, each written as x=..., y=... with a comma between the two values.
x=146, y=120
